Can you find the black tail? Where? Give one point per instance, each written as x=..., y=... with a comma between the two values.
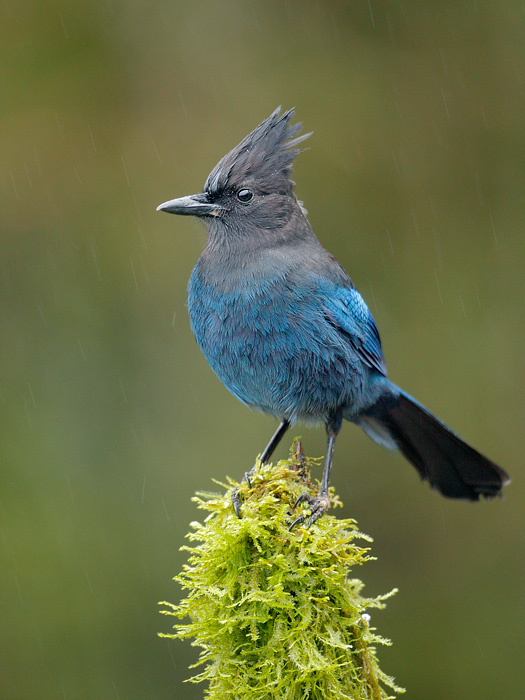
x=450, y=465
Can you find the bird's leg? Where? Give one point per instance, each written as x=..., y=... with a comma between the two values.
x=320, y=503
x=265, y=456
x=270, y=447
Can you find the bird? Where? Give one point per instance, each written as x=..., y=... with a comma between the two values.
x=283, y=326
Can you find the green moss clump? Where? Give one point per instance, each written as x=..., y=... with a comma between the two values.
x=274, y=611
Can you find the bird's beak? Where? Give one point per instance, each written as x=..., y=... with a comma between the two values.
x=193, y=205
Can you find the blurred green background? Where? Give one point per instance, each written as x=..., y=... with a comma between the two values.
x=111, y=418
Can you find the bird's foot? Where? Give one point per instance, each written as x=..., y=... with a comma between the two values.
x=318, y=507
x=236, y=495
x=236, y=502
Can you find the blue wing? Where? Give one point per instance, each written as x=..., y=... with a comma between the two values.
x=346, y=310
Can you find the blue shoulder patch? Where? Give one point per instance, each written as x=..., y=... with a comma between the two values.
x=347, y=311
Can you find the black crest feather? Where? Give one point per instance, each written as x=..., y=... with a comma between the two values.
x=263, y=159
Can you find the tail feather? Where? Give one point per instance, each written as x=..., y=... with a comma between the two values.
x=451, y=466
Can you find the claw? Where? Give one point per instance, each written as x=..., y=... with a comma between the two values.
x=236, y=502
x=298, y=521
x=318, y=507
x=236, y=496
x=303, y=497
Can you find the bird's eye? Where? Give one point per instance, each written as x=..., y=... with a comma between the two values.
x=244, y=195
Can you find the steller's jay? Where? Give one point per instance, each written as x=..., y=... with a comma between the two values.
x=285, y=329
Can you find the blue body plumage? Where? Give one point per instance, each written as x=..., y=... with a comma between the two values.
x=316, y=365
x=282, y=325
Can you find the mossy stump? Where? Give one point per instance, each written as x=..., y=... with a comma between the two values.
x=274, y=611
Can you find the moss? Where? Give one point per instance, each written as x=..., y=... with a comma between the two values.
x=275, y=612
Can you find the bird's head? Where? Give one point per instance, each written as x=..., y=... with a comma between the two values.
x=250, y=188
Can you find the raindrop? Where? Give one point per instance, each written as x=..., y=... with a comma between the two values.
x=63, y=25
x=156, y=151
x=28, y=175
x=92, y=139
x=125, y=170
x=493, y=228
x=439, y=287
x=183, y=103
x=122, y=389
x=390, y=242
x=371, y=14
x=463, y=307
x=14, y=184
x=89, y=581
x=32, y=395
x=95, y=260
x=134, y=274
x=81, y=349
x=41, y=315
x=445, y=101
x=477, y=294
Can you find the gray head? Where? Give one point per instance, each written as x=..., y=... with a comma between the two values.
x=251, y=187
